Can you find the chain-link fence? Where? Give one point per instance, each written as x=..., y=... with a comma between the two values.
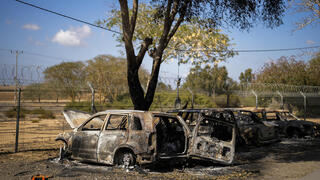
x=41, y=119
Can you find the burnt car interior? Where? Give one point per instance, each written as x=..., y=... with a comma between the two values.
x=117, y=122
x=215, y=128
x=171, y=138
x=95, y=124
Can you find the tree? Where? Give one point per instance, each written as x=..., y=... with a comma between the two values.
x=171, y=14
x=68, y=77
x=312, y=7
x=314, y=70
x=108, y=76
x=286, y=70
x=246, y=76
x=212, y=81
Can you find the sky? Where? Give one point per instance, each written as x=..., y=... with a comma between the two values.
x=47, y=39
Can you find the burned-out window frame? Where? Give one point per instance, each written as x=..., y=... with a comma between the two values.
x=132, y=122
x=117, y=129
x=82, y=128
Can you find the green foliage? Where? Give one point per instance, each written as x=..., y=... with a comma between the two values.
x=12, y=113
x=284, y=71
x=167, y=99
x=81, y=106
x=202, y=44
x=109, y=77
x=67, y=78
x=221, y=101
x=247, y=76
x=314, y=70
x=43, y=114
x=209, y=80
x=291, y=71
x=310, y=8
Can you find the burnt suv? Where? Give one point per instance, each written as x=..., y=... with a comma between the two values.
x=253, y=131
x=213, y=133
x=288, y=124
x=127, y=137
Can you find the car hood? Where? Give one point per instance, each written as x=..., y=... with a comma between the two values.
x=75, y=118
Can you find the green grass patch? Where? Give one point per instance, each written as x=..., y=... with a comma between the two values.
x=43, y=114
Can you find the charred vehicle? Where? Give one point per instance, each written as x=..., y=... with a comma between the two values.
x=213, y=133
x=289, y=125
x=127, y=137
x=253, y=131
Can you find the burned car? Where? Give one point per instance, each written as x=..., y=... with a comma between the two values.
x=213, y=132
x=288, y=124
x=253, y=131
x=128, y=137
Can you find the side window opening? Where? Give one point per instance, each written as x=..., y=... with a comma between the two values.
x=117, y=122
x=95, y=124
x=215, y=130
x=136, y=123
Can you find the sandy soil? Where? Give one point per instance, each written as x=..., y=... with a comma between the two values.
x=288, y=159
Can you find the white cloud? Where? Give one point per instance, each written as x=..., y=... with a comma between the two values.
x=72, y=36
x=310, y=42
x=32, y=27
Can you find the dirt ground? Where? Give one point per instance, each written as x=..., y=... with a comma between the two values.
x=288, y=159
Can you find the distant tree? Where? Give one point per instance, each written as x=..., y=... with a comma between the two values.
x=309, y=7
x=314, y=70
x=36, y=91
x=163, y=87
x=212, y=81
x=172, y=14
x=246, y=76
x=108, y=76
x=286, y=70
x=68, y=77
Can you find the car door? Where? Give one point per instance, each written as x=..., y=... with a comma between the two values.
x=84, y=145
x=114, y=134
x=214, y=138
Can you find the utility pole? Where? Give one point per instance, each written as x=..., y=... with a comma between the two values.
x=16, y=75
x=177, y=102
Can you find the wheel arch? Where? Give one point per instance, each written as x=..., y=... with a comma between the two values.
x=121, y=149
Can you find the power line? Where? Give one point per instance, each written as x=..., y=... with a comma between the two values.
x=40, y=55
x=69, y=17
x=184, y=50
x=47, y=56
x=273, y=50
x=250, y=50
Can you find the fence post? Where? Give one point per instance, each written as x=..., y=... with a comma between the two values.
x=192, y=100
x=256, y=95
x=93, y=107
x=17, y=123
x=281, y=96
x=304, y=104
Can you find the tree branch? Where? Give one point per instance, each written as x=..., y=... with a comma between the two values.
x=134, y=16
x=143, y=49
x=127, y=31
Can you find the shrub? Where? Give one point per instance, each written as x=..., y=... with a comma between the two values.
x=12, y=113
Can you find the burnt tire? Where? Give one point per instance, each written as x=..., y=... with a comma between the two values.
x=126, y=158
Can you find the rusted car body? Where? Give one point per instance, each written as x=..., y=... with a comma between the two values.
x=253, y=131
x=288, y=124
x=213, y=132
x=129, y=136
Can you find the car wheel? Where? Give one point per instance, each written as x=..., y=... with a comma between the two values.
x=62, y=152
x=126, y=158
